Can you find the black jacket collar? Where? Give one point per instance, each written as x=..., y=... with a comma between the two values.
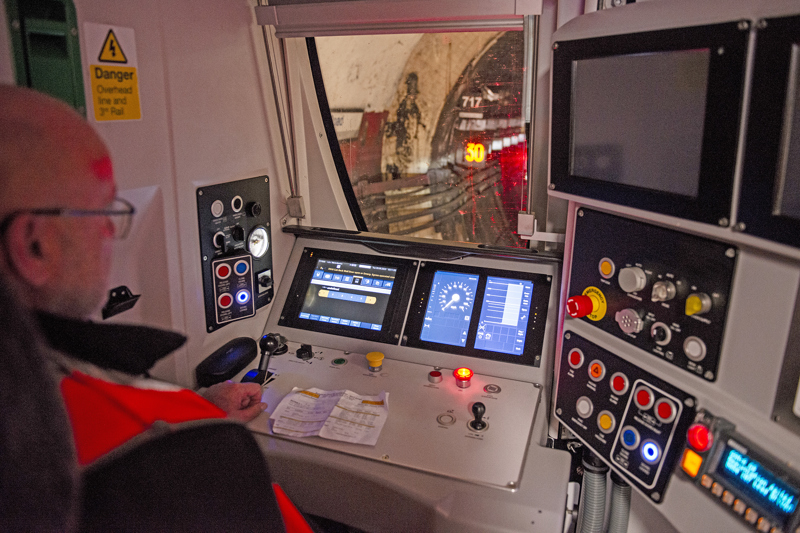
x=130, y=349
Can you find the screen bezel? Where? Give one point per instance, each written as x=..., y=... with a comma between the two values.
x=534, y=337
x=761, y=172
x=720, y=124
x=392, y=324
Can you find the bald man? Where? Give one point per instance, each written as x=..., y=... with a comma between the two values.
x=58, y=216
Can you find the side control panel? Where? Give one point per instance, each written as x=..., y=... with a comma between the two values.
x=663, y=291
x=235, y=249
x=741, y=476
x=634, y=421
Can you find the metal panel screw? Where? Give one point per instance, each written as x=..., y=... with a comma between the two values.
x=266, y=180
x=656, y=496
x=723, y=222
x=558, y=411
x=709, y=375
x=761, y=24
x=567, y=336
x=730, y=252
x=200, y=192
x=688, y=402
x=580, y=212
x=743, y=25
x=720, y=50
x=205, y=258
x=555, y=46
x=740, y=226
x=552, y=186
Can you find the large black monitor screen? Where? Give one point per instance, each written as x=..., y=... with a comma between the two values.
x=638, y=119
x=353, y=295
x=479, y=312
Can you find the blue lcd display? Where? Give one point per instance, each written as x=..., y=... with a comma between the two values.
x=450, y=306
x=504, y=316
x=764, y=487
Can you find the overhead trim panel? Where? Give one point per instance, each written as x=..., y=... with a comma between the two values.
x=354, y=17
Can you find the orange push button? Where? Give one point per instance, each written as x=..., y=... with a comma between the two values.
x=606, y=267
x=597, y=370
x=691, y=462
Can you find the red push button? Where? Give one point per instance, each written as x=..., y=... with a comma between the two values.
x=699, y=437
x=575, y=358
x=579, y=306
x=223, y=271
x=619, y=383
x=665, y=410
x=225, y=300
x=644, y=398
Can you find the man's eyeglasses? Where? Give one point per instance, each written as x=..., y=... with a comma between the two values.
x=119, y=211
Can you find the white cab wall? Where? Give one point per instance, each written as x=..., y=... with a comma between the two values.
x=208, y=116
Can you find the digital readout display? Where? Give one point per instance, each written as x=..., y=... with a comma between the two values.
x=504, y=315
x=762, y=485
x=450, y=307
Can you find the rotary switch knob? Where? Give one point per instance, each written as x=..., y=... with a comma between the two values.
x=632, y=279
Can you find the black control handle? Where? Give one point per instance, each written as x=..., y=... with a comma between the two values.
x=478, y=410
x=269, y=344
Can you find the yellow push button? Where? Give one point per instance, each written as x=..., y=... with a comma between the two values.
x=691, y=462
x=375, y=361
x=606, y=422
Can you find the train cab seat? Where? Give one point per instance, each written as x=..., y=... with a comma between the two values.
x=199, y=476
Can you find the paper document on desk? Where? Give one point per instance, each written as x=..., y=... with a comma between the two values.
x=337, y=415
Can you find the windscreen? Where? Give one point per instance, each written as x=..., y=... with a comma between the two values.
x=431, y=132
x=638, y=119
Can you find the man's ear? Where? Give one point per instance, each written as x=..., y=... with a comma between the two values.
x=32, y=251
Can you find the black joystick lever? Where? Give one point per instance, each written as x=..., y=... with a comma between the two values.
x=270, y=344
x=478, y=410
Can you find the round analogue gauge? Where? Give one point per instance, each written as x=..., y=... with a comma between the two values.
x=456, y=296
x=258, y=241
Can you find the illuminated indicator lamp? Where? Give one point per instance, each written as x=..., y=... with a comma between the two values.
x=580, y=306
x=575, y=358
x=243, y=296
x=606, y=267
x=691, y=462
x=699, y=437
x=463, y=376
x=225, y=300
x=650, y=451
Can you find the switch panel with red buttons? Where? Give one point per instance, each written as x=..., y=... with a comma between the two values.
x=634, y=421
x=660, y=290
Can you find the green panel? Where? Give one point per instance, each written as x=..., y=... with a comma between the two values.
x=46, y=48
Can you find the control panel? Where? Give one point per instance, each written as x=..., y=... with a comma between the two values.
x=741, y=476
x=662, y=291
x=452, y=422
x=234, y=220
x=630, y=418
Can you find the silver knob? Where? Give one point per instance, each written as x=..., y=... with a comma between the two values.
x=632, y=279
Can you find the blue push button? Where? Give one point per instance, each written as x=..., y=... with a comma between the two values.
x=630, y=437
x=241, y=267
x=243, y=296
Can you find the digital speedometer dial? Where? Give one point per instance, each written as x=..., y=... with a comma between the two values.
x=258, y=241
x=456, y=296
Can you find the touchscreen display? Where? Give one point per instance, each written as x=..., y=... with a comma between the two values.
x=450, y=306
x=506, y=309
x=349, y=294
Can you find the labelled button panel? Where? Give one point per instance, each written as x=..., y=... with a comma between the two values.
x=233, y=288
x=628, y=417
x=664, y=291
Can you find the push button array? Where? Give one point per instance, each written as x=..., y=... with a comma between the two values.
x=738, y=506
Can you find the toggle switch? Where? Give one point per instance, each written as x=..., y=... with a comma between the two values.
x=304, y=352
x=663, y=291
x=478, y=410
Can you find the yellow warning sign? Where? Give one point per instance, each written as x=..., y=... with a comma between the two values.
x=116, y=93
x=112, y=51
